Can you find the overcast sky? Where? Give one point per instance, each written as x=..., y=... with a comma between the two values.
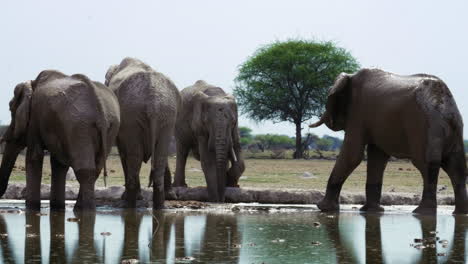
x=192, y=40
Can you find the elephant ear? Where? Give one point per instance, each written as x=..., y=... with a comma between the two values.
x=337, y=103
x=199, y=115
x=110, y=72
x=20, y=107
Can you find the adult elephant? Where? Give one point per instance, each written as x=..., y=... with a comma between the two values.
x=149, y=102
x=72, y=117
x=412, y=117
x=207, y=125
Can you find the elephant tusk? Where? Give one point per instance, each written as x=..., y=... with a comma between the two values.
x=234, y=155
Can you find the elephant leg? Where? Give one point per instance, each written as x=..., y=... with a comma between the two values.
x=179, y=177
x=428, y=204
x=376, y=163
x=208, y=162
x=57, y=188
x=132, y=181
x=349, y=158
x=454, y=166
x=86, y=178
x=158, y=168
x=34, y=162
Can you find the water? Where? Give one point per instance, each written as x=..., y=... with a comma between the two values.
x=229, y=237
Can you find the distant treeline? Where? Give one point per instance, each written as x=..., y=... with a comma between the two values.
x=264, y=142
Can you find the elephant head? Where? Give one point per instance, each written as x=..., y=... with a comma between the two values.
x=215, y=117
x=110, y=72
x=337, y=103
x=15, y=135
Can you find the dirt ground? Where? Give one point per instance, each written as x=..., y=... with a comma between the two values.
x=400, y=176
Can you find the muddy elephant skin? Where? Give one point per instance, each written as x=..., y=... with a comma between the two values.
x=412, y=117
x=72, y=117
x=208, y=126
x=149, y=102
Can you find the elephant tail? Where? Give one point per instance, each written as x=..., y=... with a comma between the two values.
x=153, y=132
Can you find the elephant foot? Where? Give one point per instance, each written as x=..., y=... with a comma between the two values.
x=82, y=206
x=57, y=205
x=33, y=205
x=233, y=185
x=425, y=210
x=138, y=195
x=328, y=206
x=371, y=208
x=159, y=206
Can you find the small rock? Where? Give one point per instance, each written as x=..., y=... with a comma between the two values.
x=73, y=219
x=251, y=244
x=235, y=209
x=317, y=224
x=106, y=233
x=316, y=243
x=441, y=254
x=400, y=169
x=112, y=171
x=309, y=175
x=237, y=246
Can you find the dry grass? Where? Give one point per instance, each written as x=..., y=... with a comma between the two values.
x=400, y=176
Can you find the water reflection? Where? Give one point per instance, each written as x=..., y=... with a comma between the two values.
x=110, y=236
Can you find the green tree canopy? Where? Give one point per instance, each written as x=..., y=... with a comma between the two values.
x=289, y=81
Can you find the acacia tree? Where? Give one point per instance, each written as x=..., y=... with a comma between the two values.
x=289, y=81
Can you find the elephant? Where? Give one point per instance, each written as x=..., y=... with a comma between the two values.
x=208, y=126
x=75, y=119
x=405, y=116
x=149, y=103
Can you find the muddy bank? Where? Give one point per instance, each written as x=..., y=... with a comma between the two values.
x=234, y=195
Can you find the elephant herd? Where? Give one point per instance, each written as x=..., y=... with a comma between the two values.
x=78, y=120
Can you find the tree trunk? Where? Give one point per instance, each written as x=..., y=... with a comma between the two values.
x=299, y=152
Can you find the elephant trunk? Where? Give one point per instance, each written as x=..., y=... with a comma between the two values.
x=221, y=150
x=10, y=154
x=322, y=120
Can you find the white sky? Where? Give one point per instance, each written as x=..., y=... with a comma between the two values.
x=192, y=40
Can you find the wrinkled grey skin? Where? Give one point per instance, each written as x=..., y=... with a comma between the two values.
x=207, y=125
x=149, y=102
x=73, y=118
x=412, y=117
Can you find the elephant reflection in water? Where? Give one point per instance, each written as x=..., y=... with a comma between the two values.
x=218, y=240
x=5, y=242
x=86, y=245
x=344, y=254
x=57, y=237
x=132, y=221
x=374, y=250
